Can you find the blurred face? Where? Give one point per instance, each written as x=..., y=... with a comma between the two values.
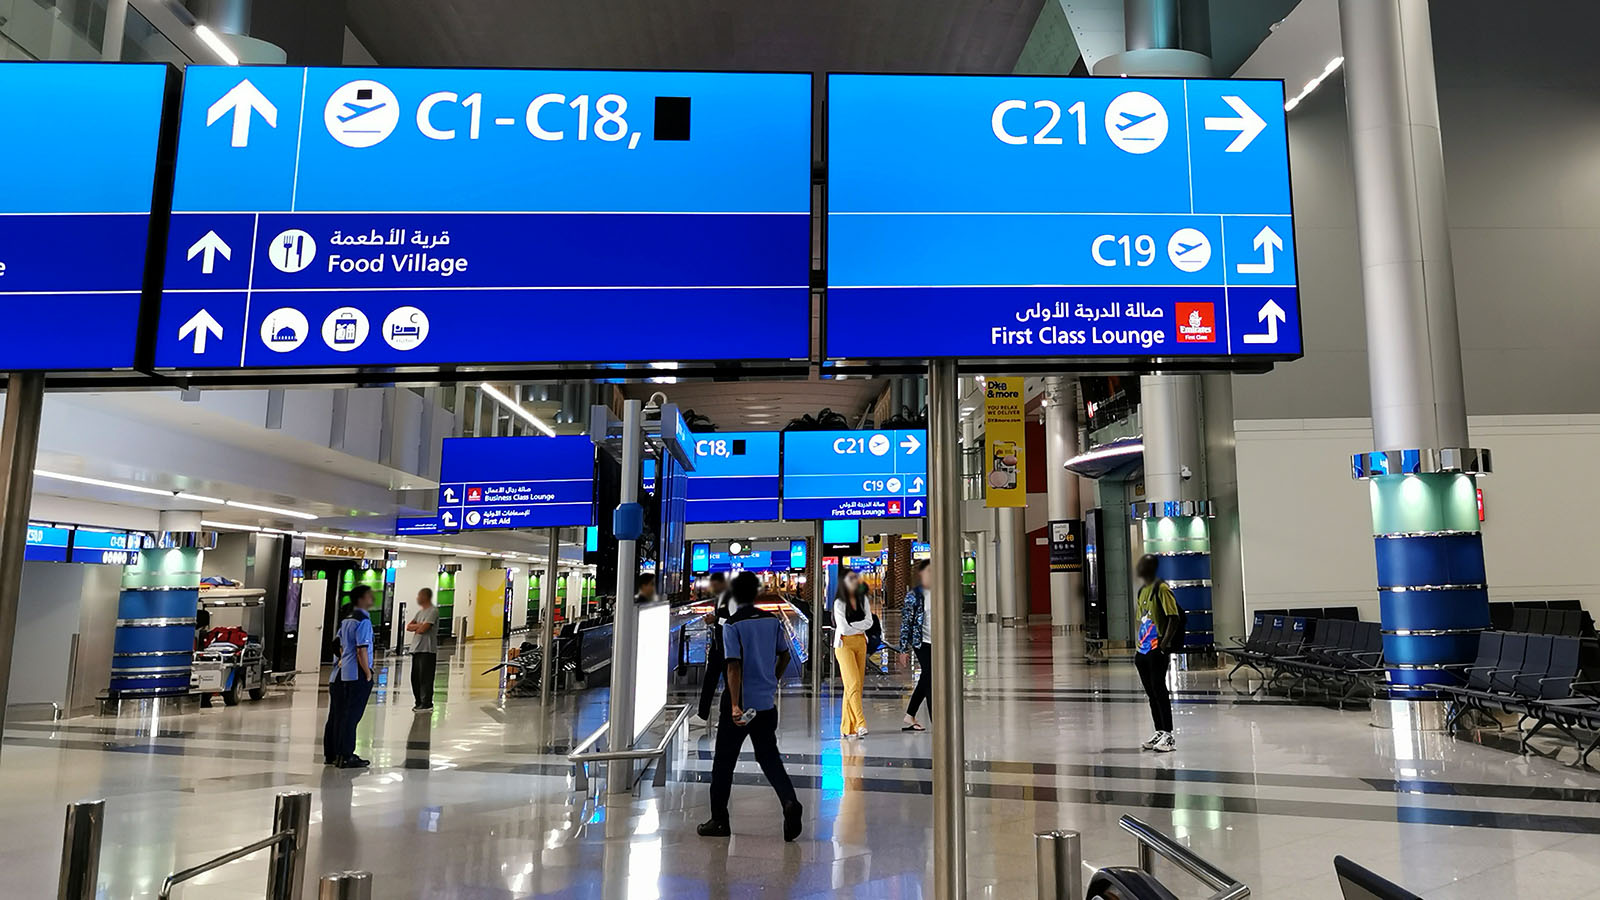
x=424, y=598
x=1147, y=571
x=364, y=601
x=922, y=577
x=648, y=590
x=852, y=581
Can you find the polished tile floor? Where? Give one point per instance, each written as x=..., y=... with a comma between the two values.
x=474, y=800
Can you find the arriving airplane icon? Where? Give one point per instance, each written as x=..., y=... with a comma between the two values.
x=1132, y=120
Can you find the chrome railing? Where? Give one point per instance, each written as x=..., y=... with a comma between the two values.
x=286, y=867
x=583, y=754
x=1061, y=867
x=1153, y=843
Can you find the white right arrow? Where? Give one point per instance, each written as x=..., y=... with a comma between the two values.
x=210, y=244
x=910, y=444
x=1266, y=240
x=200, y=324
x=1271, y=313
x=1247, y=123
x=243, y=98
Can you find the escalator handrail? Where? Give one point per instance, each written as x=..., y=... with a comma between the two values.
x=1226, y=886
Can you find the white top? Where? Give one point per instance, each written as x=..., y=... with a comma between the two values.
x=843, y=627
x=927, y=616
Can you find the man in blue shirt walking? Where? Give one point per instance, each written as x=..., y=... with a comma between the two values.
x=756, y=654
x=350, y=685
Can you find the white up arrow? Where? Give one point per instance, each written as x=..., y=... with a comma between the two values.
x=916, y=485
x=1266, y=240
x=1271, y=313
x=448, y=520
x=1247, y=123
x=243, y=98
x=910, y=444
x=209, y=244
x=200, y=324
x=916, y=507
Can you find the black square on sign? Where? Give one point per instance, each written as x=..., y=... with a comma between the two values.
x=738, y=446
x=672, y=119
x=363, y=93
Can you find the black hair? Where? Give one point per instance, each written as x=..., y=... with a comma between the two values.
x=1147, y=566
x=745, y=588
x=426, y=592
x=359, y=591
x=717, y=576
x=920, y=565
x=645, y=580
x=844, y=593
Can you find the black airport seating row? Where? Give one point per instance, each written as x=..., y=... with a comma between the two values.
x=1342, y=656
x=1567, y=622
x=1534, y=676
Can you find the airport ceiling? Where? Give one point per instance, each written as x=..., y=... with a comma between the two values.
x=765, y=35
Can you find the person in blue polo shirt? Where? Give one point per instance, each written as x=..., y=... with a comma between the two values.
x=756, y=653
x=350, y=685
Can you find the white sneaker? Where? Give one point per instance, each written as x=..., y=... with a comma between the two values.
x=695, y=721
x=862, y=733
x=1153, y=741
x=1167, y=744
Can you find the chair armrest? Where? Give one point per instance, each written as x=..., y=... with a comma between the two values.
x=1375, y=654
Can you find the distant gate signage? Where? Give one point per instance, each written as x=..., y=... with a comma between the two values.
x=78, y=149
x=1059, y=217
x=855, y=475
x=516, y=482
x=395, y=217
x=1066, y=546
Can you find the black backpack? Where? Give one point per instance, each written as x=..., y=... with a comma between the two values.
x=1180, y=630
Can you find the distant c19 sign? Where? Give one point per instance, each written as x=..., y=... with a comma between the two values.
x=1015, y=217
x=342, y=218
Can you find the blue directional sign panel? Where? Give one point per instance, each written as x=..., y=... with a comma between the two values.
x=78, y=144
x=358, y=217
x=1027, y=217
x=46, y=543
x=855, y=474
x=111, y=548
x=404, y=525
x=516, y=482
x=735, y=477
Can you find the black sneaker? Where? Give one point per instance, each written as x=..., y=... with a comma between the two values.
x=353, y=762
x=791, y=820
x=713, y=828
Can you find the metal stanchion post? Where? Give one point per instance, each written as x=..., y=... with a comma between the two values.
x=1060, y=861
x=80, y=850
x=19, y=446
x=625, y=624
x=345, y=886
x=949, y=752
x=286, y=867
x=547, y=623
x=821, y=657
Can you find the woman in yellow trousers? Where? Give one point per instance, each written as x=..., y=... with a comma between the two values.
x=852, y=617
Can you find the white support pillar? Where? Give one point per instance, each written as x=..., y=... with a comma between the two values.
x=1062, y=501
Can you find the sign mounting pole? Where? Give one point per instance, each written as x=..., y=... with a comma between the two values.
x=949, y=750
x=19, y=445
x=625, y=632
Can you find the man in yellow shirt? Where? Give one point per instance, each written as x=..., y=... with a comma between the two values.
x=1158, y=638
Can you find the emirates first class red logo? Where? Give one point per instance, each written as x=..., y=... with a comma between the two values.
x=1196, y=323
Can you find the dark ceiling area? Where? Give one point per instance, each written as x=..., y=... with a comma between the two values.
x=762, y=35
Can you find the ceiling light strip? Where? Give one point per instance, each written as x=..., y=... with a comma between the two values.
x=516, y=407
x=1332, y=67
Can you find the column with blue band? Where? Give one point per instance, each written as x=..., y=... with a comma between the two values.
x=1432, y=586
x=1178, y=534
x=153, y=648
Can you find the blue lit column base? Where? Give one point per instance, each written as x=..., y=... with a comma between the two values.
x=1433, y=590
x=1178, y=534
x=153, y=648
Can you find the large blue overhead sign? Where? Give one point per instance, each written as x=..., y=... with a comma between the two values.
x=516, y=482
x=78, y=144
x=361, y=217
x=855, y=474
x=1028, y=217
x=735, y=477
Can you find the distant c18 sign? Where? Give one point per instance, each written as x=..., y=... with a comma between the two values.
x=340, y=218
x=1014, y=217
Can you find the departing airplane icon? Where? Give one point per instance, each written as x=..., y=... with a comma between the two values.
x=1185, y=248
x=360, y=110
x=1130, y=120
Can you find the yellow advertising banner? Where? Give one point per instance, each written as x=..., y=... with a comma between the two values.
x=1005, y=480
